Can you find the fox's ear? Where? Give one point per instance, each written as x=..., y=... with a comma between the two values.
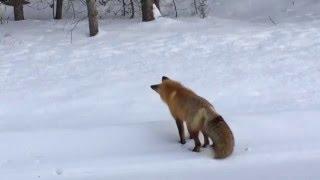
x=155, y=87
x=164, y=78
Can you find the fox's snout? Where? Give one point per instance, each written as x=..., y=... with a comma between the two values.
x=154, y=87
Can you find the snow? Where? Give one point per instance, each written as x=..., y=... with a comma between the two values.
x=283, y=10
x=156, y=12
x=2, y=9
x=84, y=109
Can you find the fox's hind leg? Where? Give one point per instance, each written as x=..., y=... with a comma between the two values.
x=197, y=143
x=194, y=134
x=181, y=131
x=206, y=138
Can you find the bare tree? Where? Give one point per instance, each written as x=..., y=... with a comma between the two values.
x=59, y=9
x=17, y=8
x=2, y=13
x=195, y=6
x=123, y=8
x=147, y=10
x=132, y=9
x=92, y=16
x=175, y=7
x=203, y=8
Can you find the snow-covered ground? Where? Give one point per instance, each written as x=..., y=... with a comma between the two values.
x=84, y=110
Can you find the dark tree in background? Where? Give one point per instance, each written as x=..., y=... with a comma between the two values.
x=147, y=10
x=132, y=9
x=203, y=8
x=157, y=3
x=124, y=8
x=175, y=8
x=92, y=16
x=195, y=6
x=17, y=8
x=59, y=9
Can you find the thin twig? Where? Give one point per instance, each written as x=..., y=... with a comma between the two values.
x=74, y=13
x=175, y=7
x=273, y=22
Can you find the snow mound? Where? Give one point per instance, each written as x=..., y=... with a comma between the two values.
x=156, y=12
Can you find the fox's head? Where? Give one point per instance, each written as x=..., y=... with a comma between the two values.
x=157, y=87
x=166, y=88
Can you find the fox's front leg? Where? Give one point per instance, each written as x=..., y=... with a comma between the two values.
x=181, y=131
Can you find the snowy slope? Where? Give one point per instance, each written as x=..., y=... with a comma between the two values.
x=259, y=9
x=84, y=110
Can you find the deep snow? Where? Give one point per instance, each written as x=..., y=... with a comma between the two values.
x=84, y=110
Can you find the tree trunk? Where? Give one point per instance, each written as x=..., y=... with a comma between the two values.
x=132, y=9
x=195, y=6
x=157, y=3
x=53, y=10
x=123, y=8
x=175, y=7
x=59, y=9
x=92, y=16
x=147, y=10
x=18, y=10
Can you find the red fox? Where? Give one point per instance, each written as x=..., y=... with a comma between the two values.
x=199, y=115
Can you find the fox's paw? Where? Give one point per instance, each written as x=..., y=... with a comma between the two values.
x=205, y=145
x=196, y=149
x=182, y=141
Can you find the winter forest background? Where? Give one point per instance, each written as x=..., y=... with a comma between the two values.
x=244, y=9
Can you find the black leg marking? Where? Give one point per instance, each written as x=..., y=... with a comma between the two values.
x=206, y=139
x=181, y=131
x=197, y=143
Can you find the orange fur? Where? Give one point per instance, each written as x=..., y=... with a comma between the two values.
x=199, y=115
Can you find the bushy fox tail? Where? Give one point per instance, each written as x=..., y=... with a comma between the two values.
x=222, y=137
